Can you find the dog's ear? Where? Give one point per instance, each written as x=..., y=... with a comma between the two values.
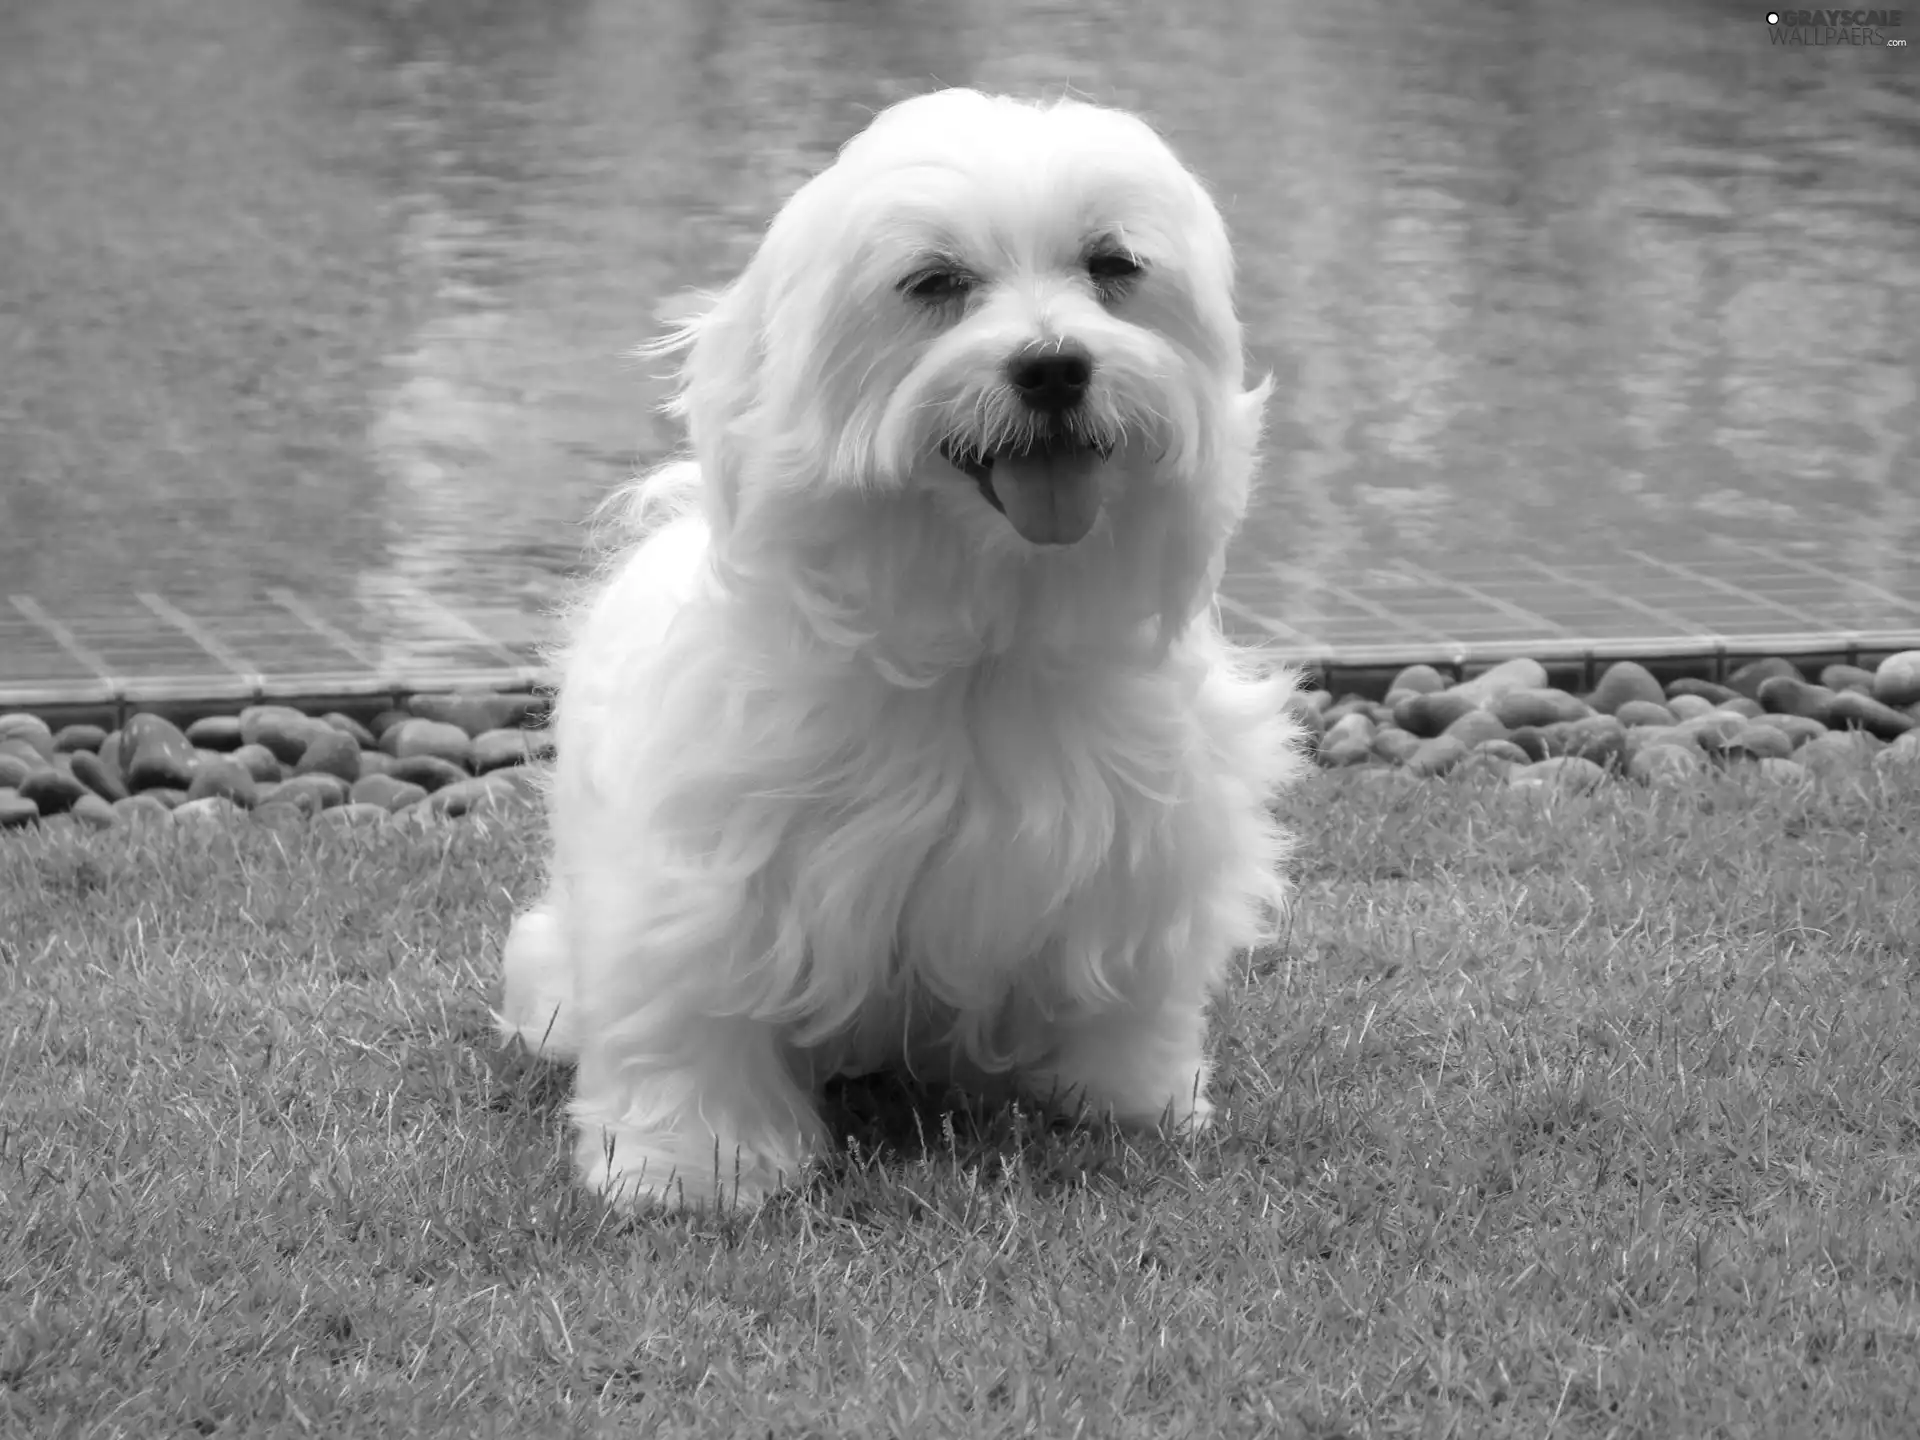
x=718, y=337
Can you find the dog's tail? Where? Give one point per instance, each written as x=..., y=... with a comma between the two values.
x=537, y=1000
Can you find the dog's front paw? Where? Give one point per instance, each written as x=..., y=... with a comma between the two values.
x=639, y=1172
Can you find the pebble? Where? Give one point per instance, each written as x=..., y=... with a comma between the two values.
x=1354, y=725
x=1637, y=713
x=227, y=780
x=53, y=788
x=466, y=796
x=1344, y=753
x=347, y=725
x=1790, y=695
x=430, y=772
x=1476, y=727
x=1690, y=707
x=14, y=769
x=158, y=755
x=1428, y=715
x=259, y=762
x=1437, y=756
x=435, y=739
x=1846, y=677
x=94, y=813
x=1797, y=728
x=283, y=730
x=1754, y=741
x=1541, y=707
x=1705, y=689
x=326, y=791
x=1837, y=751
x=30, y=730
x=330, y=751
x=1896, y=681
x=1852, y=710
x=386, y=792
x=206, y=808
x=16, y=810
x=71, y=738
x=1420, y=679
x=216, y=732
x=497, y=749
x=1625, y=680
x=1902, y=752
x=1748, y=678
x=477, y=711
x=1521, y=674
x=1394, y=745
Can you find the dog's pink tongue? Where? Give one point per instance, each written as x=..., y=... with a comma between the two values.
x=1052, y=497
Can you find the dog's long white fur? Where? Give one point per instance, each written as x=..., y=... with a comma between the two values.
x=848, y=773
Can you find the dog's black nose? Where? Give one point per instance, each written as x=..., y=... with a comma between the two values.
x=1053, y=379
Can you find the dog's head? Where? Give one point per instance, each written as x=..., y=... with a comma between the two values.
x=1009, y=323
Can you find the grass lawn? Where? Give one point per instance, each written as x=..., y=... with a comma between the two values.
x=1554, y=1116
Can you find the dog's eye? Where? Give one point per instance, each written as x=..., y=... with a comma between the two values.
x=1112, y=267
x=937, y=285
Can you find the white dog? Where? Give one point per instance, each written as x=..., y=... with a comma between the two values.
x=906, y=733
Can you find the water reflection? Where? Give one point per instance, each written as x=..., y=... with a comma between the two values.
x=1530, y=275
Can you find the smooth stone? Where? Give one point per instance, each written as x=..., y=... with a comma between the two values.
x=353, y=816
x=1538, y=708
x=1790, y=695
x=1394, y=745
x=1485, y=767
x=1599, y=738
x=1713, y=732
x=347, y=725
x=1757, y=742
x=168, y=795
x=1797, y=728
x=71, y=739
x=1476, y=726
x=436, y=739
x=260, y=763
x=216, y=732
x=1847, y=677
x=1783, y=771
x=1342, y=708
x=1637, y=713
x=386, y=792
x=497, y=749
x=282, y=729
x=1664, y=764
x=1520, y=674
x=113, y=752
x=93, y=771
x=1344, y=753
x=1691, y=707
x=1571, y=772
x=376, y=762
x=16, y=810
x=1420, y=679
x=1429, y=715
x=286, y=814
x=31, y=730
x=1743, y=707
x=207, y=808
x=53, y=788
x=157, y=754
x=1705, y=689
x=1645, y=737
x=1355, y=725
x=477, y=711
x=331, y=751
x=94, y=813
x=1748, y=678
x=1502, y=749
x=1854, y=711
x=429, y=772
x=385, y=721
x=1896, y=680
x=327, y=790
x=136, y=809
x=1396, y=698
x=15, y=768
x=224, y=779
x=522, y=782
x=1318, y=701
x=1437, y=756
x=1622, y=681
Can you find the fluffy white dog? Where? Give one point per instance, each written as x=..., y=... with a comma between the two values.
x=904, y=731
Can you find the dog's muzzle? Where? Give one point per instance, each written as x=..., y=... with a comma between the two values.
x=1049, y=490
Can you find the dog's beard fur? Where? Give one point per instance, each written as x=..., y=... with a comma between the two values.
x=851, y=771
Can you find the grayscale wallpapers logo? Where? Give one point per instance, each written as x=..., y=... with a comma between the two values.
x=1835, y=27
